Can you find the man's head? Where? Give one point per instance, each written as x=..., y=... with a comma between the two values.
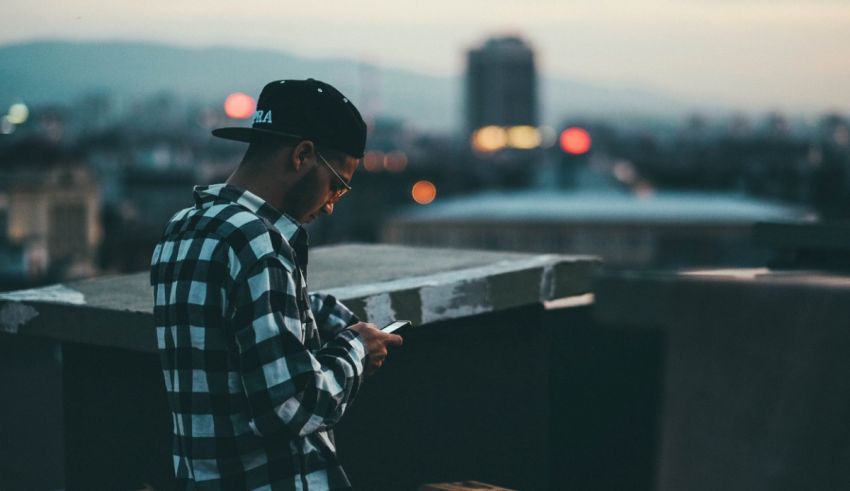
x=305, y=143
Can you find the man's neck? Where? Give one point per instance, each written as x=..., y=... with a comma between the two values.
x=263, y=188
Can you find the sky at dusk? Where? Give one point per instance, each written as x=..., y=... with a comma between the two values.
x=754, y=54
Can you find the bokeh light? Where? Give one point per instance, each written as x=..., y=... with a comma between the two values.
x=395, y=161
x=524, y=137
x=575, y=141
x=424, y=192
x=625, y=172
x=239, y=106
x=489, y=139
x=643, y=189
x=18, y=113
x=373, y=161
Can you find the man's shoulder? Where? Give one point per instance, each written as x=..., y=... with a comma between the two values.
x=247, y=236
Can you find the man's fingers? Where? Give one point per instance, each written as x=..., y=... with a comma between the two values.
x=394, y=340
x=373, y=366
x=377, y=343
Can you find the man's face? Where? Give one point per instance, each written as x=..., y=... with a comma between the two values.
x=315, y=192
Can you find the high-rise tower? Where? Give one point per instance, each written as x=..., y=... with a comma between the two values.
x=501, y=84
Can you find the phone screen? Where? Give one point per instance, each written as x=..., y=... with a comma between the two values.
x=395, y=326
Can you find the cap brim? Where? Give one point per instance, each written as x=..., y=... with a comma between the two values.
x=247, y=134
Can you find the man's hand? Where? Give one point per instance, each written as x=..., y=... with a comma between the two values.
x=376, y=342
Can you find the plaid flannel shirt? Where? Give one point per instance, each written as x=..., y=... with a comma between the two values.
x=256, y=370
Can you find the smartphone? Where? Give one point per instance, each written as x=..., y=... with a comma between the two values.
x=395, y=326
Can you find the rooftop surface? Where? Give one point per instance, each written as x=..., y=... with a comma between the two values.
x=379, y=282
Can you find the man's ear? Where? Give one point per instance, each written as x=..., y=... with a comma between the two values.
x=301, y=153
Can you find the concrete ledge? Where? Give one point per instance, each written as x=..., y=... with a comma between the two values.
x=662, y=300
x=755, y=379
x=378, y=282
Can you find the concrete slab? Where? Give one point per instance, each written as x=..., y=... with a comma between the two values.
x=379, y=282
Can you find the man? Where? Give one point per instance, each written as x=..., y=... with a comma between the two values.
x=257, y=371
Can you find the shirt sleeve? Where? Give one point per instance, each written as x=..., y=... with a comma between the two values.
x=331, y=315
x=289, y=388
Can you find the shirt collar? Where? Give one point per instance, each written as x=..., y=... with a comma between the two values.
x=291, y=230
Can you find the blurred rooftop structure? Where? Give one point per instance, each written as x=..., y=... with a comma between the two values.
x=663, y=229
x=605, y=206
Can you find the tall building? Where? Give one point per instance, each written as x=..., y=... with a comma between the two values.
x=501, y=84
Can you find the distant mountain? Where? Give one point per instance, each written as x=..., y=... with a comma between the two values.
x=59, y=72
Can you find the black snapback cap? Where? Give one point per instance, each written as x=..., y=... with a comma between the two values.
x=307, y=110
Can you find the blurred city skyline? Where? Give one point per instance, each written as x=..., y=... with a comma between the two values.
x=107, y=127
x=750, y=55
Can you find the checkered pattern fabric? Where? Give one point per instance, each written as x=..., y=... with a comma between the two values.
x=257, y=371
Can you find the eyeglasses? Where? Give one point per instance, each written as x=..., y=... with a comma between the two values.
x=340, y=191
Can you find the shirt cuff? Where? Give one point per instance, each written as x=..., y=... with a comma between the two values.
x=357, y=349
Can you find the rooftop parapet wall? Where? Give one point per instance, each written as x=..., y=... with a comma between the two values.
x=378, y=282
x=755, y=379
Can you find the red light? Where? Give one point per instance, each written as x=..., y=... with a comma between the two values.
x=239, y=106
x=575, y=141
x=424, y=192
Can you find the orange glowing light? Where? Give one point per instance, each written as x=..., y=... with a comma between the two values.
x=575, y=141
x=239, y=106
x=424, y=192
